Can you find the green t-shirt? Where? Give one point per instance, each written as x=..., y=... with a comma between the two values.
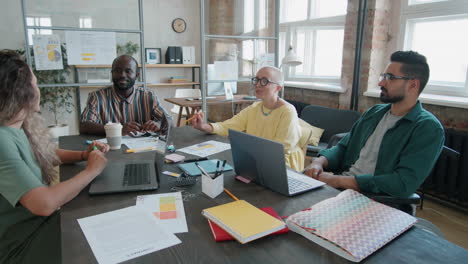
x=19, y=173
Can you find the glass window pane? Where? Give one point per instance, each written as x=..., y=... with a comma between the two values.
x=417, y=2
x=30, y=21
x=239, y=17
x=282, y=45
x=247, y=57
x=262, y=14
x=45, y=22
x=328, y=52
x=329, y=8
x=294, y=10
x=300, y=51
x=444, y=46
x=249, y=6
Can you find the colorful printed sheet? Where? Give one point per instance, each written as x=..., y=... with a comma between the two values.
x=167, y=209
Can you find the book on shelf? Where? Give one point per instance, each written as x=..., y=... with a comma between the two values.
x=350, y=224
x=177, y=80
x=220, y=235
x=243, y=221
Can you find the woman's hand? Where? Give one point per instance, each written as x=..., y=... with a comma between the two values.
x=96, y=162
x=197, y=123
x=104, y=148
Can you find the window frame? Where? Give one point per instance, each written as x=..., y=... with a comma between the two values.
x=433, y=11
x=315, y=23
x=37, y=31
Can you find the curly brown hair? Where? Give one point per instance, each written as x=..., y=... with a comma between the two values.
x=17, y=94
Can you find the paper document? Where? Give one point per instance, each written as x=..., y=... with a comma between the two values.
x=206, y=148
x=47, y=52
x=167, y=209
x=125, y=234
x=90, y=48
x=141, y=142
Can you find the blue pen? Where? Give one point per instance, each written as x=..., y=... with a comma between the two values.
x=88, y=142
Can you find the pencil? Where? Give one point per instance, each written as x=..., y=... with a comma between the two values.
x=195, y=115
x=230, y=194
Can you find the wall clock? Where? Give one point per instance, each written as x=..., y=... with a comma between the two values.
x=179, y=25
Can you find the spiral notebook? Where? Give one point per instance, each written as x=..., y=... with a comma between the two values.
x=243, y=221
x=350, y=224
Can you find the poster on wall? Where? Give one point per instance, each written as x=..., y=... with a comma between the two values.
x=47, y=52
x=90, y=48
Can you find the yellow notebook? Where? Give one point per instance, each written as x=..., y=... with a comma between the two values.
x=243, y=221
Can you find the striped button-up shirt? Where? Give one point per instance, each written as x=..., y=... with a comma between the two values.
x=105, y=105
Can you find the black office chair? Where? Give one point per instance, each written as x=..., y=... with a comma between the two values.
x=332, y=120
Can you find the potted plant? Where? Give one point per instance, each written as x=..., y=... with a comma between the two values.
x=57, y=100
x=128, y=48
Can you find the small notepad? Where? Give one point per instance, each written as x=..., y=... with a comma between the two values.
x=243, y=221
x=208, y=165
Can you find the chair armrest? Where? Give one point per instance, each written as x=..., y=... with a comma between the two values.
x=335, y=139
x=387, y=199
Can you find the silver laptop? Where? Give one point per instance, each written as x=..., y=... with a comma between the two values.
x=262, y=161
x=128, y=176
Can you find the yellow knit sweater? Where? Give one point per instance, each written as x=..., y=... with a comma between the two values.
x=281, y=125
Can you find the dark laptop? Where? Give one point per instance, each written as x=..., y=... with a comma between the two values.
x=129, y=176
x=262, y=161
x=126, y=176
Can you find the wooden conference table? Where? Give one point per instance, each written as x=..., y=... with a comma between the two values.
x=198, y=245
x=191, y=105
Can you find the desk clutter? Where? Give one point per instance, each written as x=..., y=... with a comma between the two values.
x=209, y=166
x=350, y=224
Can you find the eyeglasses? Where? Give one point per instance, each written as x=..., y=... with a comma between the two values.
x=391, y=77
x=263, y=81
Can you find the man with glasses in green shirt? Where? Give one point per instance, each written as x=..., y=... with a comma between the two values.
x=392, y=148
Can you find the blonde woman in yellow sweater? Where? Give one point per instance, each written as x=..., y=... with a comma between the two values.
x=271, y=118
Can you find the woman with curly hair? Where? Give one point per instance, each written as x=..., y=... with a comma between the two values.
x=29, y=222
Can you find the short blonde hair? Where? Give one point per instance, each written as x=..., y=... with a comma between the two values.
x=277, y=73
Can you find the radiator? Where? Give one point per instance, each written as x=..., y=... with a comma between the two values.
x=448, y=180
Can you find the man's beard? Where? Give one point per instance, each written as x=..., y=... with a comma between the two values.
x=389, y=99
x=125, y=87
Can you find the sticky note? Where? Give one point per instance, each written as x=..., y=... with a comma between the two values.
x=173, y=174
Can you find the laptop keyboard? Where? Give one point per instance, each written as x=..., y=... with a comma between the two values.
x=136, y=174
x=297, y=185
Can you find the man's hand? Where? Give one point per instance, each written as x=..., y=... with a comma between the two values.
x=151, y=126
x=314, y=170
x=131, y=128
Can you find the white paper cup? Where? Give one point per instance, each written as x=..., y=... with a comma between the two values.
x=212, y=187
x=114, y=135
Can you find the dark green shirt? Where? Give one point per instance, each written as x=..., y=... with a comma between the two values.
x=19, y=173
x=407, y=153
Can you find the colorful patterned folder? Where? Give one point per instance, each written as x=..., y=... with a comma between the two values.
x=350, y=224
